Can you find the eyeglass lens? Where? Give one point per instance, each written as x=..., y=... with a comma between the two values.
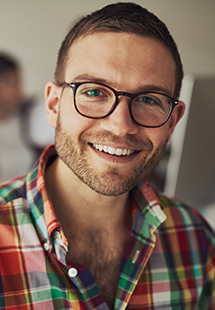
x=96, y=101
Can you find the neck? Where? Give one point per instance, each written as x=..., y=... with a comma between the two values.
x=76, y=205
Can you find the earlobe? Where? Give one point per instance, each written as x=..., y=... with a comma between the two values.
x=177, y=114
x=52, y=99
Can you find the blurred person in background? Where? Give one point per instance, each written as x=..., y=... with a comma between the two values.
x=20, y=140
x=15, y=155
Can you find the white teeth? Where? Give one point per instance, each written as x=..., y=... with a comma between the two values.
x=105, y=149
x=112, y=150
x=118, y=152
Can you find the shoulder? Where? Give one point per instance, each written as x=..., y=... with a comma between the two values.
x=181, y=214
x=12, y=190
x=184, y=219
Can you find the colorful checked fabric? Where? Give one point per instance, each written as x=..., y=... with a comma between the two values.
x=169, y=261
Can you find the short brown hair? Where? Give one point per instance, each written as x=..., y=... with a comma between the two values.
x=121, y=17
x=7, y=63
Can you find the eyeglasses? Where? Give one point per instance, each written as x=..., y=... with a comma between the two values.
x=97, y=101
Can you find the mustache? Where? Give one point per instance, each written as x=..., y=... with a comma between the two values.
x=106, y=137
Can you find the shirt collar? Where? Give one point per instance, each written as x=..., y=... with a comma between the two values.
x=143, y=199
x=41, y=207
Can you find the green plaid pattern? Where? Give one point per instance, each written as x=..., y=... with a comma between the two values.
x=169, y=261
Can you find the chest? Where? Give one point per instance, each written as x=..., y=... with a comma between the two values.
x=102, y=260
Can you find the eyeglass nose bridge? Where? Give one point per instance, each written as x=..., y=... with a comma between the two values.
x=126, y=94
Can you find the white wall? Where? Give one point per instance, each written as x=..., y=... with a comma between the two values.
x=32, y=30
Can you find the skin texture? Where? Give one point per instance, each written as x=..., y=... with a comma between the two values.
x=111, y=182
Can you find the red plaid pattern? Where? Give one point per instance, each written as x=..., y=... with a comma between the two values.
x=167, y=264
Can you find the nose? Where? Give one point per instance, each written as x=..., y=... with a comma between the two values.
x=120, y=121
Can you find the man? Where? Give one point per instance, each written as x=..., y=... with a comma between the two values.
x=84, y=230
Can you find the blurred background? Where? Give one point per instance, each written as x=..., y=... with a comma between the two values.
x=32, y=31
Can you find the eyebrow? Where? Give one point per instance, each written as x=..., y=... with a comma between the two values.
x=141, y=89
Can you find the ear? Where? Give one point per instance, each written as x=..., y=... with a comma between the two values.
x=177, y=114
x=52, y=101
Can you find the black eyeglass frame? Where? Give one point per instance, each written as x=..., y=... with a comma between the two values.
x=75, y=86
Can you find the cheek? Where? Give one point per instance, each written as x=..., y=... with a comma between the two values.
x=69, y=117
x=158, y=135
x=73, y=122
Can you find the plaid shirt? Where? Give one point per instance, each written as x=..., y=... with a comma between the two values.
x=169, y=261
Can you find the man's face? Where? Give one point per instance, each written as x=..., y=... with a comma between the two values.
x=127, y=63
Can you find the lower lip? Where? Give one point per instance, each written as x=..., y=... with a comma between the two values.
x=114, y=158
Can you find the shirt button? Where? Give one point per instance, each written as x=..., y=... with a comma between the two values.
x=72, y=272
x=46, y=246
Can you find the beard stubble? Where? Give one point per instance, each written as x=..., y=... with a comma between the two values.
x=109, y=183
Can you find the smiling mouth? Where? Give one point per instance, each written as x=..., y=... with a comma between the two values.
x=112, y=151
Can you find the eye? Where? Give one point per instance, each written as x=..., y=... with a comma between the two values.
x=94, y=92
x=148, y=100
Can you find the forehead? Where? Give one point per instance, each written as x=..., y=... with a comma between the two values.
x=125, y=60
